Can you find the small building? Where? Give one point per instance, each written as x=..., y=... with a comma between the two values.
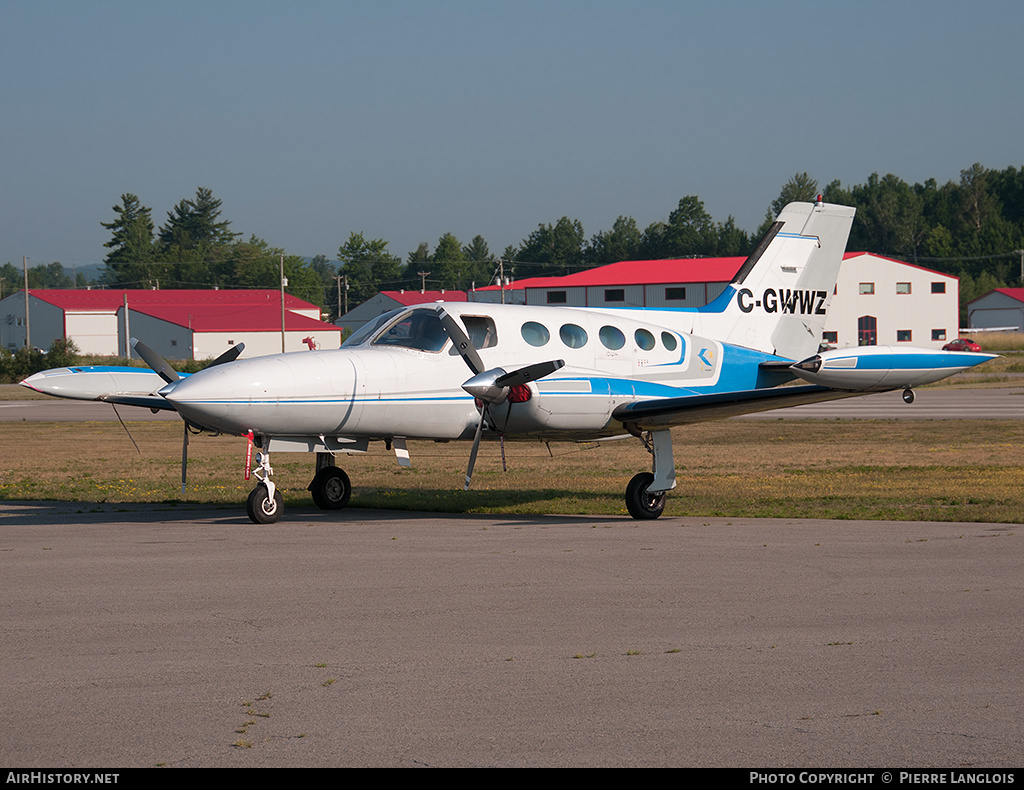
x=386, y=301
x=177, y=324
x=1002, y=309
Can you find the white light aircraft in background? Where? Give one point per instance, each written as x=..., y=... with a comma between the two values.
x=539, y=373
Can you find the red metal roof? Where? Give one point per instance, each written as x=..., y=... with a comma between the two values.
x=200, y=310
x=233, y=318
x=409, y=298
x=660, y=272
x=102, y=300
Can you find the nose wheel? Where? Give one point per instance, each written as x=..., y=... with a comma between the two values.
x=265, y=503
x=263, y=507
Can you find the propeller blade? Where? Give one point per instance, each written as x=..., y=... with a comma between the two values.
x=476, y=446
x=461, y=341
x=530, y=373
x=155, y=361
x=228, y=356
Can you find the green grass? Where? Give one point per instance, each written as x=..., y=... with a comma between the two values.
x=949, y=470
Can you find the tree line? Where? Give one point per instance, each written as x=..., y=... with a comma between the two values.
x=969, y=228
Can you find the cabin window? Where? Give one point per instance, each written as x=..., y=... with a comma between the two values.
x=644, y=339
x=675, y=294
x=938, y=334
x=573, y=336
x=418, y=329
x=668, y=340
x=867, y=288
x=615, y=295
x=535, y=334
x=902, y=288
x=612, y=337
x=556, y=297
x=904, y=335
x=481, y=330
x=939, y=288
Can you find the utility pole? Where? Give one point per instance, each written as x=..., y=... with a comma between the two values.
x=342, y=279
x=423, y=280
x=28, y=332
x=127, y=331
x=283, y=283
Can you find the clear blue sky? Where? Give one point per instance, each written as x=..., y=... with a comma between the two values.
x=406, y=120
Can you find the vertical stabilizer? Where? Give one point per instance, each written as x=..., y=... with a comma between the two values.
x=777, y=301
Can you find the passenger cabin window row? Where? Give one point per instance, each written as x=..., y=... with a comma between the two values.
x=611, y=337
x=422, y=330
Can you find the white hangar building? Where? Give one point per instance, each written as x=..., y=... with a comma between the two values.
x=177, y=324
x=878, y=300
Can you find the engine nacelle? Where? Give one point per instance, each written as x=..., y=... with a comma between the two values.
x=871, y=368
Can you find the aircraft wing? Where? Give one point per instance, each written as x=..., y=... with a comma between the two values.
x=689, y=409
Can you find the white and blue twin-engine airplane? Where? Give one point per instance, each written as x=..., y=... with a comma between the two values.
x=539, y=373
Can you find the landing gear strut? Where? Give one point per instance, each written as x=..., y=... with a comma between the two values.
x=645, y=494
x=265, y=503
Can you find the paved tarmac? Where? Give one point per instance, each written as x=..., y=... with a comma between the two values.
x=143, y=635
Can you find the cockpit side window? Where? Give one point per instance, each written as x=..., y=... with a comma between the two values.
x=419, y=329
x=481, y=329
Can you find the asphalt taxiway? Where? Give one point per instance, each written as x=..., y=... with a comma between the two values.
x=145, y=635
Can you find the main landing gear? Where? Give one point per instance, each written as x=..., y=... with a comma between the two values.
x=330, y=487
x=645, y=494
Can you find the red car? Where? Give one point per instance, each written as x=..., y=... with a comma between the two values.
x=962, y=344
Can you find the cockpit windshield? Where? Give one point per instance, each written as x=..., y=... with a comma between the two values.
x=362, y=334
x=420, y=329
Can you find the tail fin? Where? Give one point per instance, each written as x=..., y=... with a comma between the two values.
x=777, y=301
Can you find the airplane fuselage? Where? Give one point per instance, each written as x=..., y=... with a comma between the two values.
x=411, y=386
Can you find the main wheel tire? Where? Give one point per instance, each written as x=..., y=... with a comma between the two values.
x=640, y=503
x=261, y=508
x=331, y=488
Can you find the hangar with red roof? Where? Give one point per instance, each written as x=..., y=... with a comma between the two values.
x=177, y=324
